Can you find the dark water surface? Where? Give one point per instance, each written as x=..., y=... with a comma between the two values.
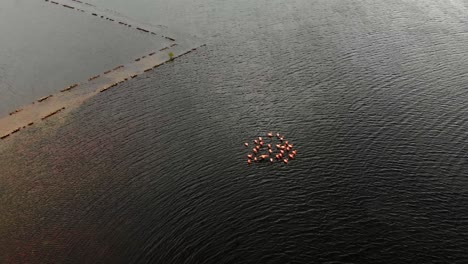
x=373, y=93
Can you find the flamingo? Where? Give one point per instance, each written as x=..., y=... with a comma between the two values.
x=286, y=150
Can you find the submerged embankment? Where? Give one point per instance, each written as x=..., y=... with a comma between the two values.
x=73, y=95
x=66, y=98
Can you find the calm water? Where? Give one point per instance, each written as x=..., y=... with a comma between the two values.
x=46, y=47
x=373, y=93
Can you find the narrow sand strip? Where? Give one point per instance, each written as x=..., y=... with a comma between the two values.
x=75, y=94
x=110, y=16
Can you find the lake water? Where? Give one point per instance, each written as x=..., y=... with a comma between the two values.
x=47, y=47
x=372, y=93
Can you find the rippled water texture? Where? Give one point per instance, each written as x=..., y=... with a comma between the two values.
x=373, y=94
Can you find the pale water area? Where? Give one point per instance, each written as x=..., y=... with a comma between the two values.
x=45, y=48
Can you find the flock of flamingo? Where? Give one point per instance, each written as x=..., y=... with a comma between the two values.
x=274, y=153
